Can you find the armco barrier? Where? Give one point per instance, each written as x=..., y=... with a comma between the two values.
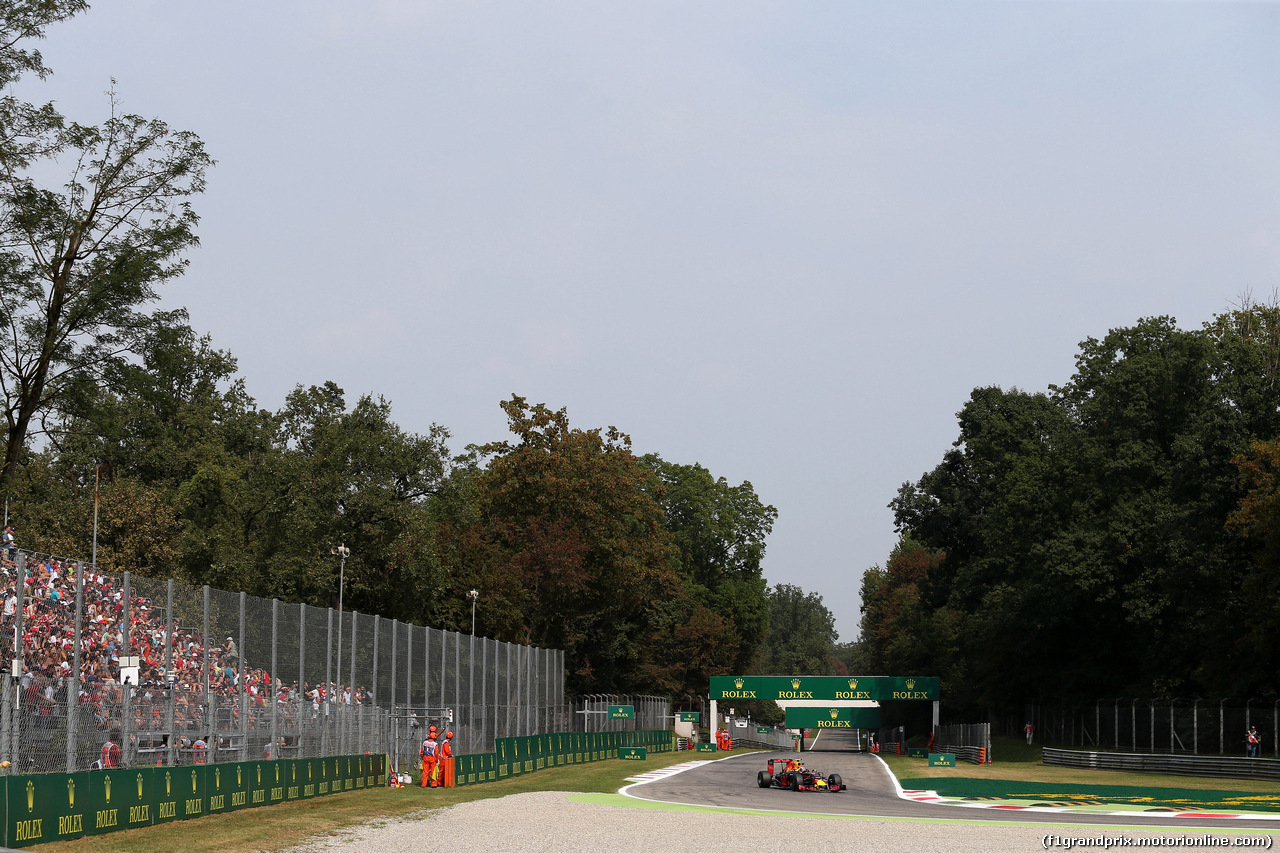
x=514, y=756
x=64, y=806
x=1222, y=767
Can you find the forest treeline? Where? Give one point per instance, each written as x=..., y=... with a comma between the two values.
x=646, y=572
x=1116, y=535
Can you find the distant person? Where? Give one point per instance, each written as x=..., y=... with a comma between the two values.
x=111, y=752
x=7, y=542
x=1252, y=741
x=1030, y=730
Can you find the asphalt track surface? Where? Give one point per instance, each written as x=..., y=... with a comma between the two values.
x=872, y=792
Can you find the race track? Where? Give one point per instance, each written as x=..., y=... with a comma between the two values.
x=872, y=792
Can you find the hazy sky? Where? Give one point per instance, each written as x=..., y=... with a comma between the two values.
x=782, y=240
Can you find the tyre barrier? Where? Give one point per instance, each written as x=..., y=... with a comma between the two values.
x=63, y=806
x=514, y=756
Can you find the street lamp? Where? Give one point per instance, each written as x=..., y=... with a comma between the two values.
x=341, y=552
x=473, y=595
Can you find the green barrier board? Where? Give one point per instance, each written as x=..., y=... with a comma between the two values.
x=942, y=759
x=917, y=752
x=47, y=807
x=633, y=753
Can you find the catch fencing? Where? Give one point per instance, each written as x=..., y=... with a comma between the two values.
x=971, y=742
x=1216, y=726
x=222, y=676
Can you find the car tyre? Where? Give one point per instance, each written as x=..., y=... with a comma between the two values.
x=794, y=780
x=764, y=780
x=835, y=782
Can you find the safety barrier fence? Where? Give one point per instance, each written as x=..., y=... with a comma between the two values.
x=519, y=755
x=1174, y=765
x=64, y=806
x=1213, y=726
x=970, y=742
x=239, y=676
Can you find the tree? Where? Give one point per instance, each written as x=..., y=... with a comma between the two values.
x=719, y=531
x=579, y=543
x=80, y=262
x=802, y=634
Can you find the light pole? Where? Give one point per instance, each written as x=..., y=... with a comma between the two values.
x=473, y=595
x=341, y=552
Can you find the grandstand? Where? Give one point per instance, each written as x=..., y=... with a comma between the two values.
x=177, y=674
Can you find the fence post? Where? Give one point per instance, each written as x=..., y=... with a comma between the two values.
x=170, y=678
x=211, y=707
x=327, y=724
x=508, y=696
x=351, y=683
x=302, y=679
x=241, y=688
x=373, y=683
x=273, y=688
x=126, y=690
x=73, y=690
x=426, y=672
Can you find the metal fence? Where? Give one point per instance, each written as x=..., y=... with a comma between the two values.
x=1216, y=766
x=222, y=676
x=1216, y=726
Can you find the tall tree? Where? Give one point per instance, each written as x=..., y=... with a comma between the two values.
x=719, y=531
x=578, y=529
x=81, y=256
x=802, y=634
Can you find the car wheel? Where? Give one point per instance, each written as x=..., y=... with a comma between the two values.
x=794, y=779
x=835, y=782
x=764, y=780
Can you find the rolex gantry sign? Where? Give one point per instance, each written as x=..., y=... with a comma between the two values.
x=825, y=688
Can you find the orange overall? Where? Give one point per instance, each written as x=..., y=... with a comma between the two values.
x=429, y=761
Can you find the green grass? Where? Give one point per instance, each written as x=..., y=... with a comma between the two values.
x=1016, y=761
x=287, y=825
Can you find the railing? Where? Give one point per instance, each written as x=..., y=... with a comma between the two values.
x=1174, y=765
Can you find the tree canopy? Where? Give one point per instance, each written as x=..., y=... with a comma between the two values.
x=1092, y=540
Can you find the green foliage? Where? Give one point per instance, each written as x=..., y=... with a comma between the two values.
x=802, y=635
x=1075, y=544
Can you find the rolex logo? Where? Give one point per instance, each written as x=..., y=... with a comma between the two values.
x=168, y=780
x=31, y=795
x=911, y=684
x=795, y=684
x=738, y=682
x=835, y=712
x=139, y=786
x=853, y=684
x=71, y=793
x=259, y=775
x=193, y=781
x=106, y=788
x=217, y=779
x=238, y=781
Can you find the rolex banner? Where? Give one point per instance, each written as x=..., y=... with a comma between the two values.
x=59, y=806
x=828, y=688
x=833, y=718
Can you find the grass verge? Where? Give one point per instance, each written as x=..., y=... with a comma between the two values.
x=1015, y=761
x=287, y=825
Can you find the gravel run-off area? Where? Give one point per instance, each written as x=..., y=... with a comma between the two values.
x=550, y=821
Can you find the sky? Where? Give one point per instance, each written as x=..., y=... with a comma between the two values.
x=781, y=240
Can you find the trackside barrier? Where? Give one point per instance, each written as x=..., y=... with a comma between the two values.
x=63, y=806
x=514, y=756
x=1223, y=767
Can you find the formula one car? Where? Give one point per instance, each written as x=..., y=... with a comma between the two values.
x=791, y=774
